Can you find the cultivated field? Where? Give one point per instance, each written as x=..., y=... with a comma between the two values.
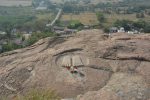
x=92, y=1
x=113, y=17
x=15, y=2
x=104, y=1
x=45, y=16
x=84, y=18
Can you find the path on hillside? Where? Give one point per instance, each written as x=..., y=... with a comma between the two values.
x=56, y=18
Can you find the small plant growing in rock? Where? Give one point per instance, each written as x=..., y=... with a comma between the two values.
x=39, y=95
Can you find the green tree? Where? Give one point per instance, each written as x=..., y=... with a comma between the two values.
x=147, y=28
x=140, y=15
x=139, y=24
x=101, y=18
x=10, y=46
x=7, y=26
x=124, y=23
x=106, y=29
x=75, y=24
x=37, y=36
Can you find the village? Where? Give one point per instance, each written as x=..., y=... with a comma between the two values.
x=55, y=19
x=59, y=31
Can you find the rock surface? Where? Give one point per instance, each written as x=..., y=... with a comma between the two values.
x=115, y=67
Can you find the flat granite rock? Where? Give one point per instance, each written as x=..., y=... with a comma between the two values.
x=115, y=67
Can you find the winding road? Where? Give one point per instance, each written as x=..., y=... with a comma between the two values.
x=56, y=18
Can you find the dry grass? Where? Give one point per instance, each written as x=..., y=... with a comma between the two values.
x=92, y=1
x=111, y=18
x=104, y=1
x=91, y=18
x=84, y=18
x=47, y=16
x=38, y=95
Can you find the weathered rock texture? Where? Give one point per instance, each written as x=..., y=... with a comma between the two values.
x=115, y=67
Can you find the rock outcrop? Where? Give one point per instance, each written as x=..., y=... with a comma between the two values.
x=108, y=67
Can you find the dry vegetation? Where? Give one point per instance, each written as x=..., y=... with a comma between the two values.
x=92, y=1
x=46, y=16
x=113, y=17
x=91, y=18
x=84, y=18
x=98, y=1
x=35, y=94
x=39, y=95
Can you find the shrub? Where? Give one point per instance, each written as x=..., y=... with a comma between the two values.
x=140, y=15
x=106, y=29
x=75, y=25
x=127, y=24
x=37, y=36
x=147, y=28
x=101, y=18
x=10, y=46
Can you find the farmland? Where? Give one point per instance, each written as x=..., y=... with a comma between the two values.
x=89, y=18
x=104, y=1
x=46, y=16
x=86, y=18
x=92, y=1
x=15, y=2
x=34, y=16
x=24, y=17
x=113, y=17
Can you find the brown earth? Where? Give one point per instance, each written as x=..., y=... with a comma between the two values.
x=115, y=67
